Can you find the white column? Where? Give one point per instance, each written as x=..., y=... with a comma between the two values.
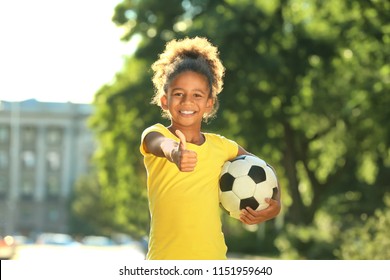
x=14, y=168
x=68, y=150
x=39, y=195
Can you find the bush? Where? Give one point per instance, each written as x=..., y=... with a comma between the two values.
x=370, y=240
x=333, y=238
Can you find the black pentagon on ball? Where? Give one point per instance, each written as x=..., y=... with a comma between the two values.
x=250, y=201
x=226, y=182
x=257, y=173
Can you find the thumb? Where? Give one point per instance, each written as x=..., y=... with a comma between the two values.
x=183, y=142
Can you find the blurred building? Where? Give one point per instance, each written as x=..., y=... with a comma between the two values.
x=44, y=148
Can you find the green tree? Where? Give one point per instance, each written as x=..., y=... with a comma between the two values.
x=118, y=122
x=86, y=202
x=305, y=89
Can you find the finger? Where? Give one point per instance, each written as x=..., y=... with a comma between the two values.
x=247, y=215
x=250, y=220
x=252, y=216
x=183, y=142
x=246, y=219
x=188, y=160
x=249, y=210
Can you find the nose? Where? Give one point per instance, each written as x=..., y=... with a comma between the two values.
x=187, y=98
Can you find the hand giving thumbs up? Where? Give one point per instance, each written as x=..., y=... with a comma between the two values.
x=184, y=159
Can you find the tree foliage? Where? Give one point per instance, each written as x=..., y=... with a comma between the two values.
x=306, y=88
x=370, y=241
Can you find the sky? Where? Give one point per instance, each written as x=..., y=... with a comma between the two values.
x=58, y=51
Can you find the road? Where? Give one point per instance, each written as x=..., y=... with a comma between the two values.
x=77, y=253
x=69, y=262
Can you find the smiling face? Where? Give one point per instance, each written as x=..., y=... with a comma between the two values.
x=188, y=100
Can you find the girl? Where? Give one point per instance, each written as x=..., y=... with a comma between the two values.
x=182, y=162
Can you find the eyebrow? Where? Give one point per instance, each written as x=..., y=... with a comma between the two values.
x=194, y=90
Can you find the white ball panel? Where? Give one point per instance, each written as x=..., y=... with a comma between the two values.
x=255, y=161
x=225, y=168
x=262, y=191
x=244, y=187
x=262, y=206
x=271, y=177
x=239, y=168
x=230, y=201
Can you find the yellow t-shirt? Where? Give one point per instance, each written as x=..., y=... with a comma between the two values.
x=184, y=206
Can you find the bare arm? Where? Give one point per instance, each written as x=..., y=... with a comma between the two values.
x=176, y=152
x=158, y=145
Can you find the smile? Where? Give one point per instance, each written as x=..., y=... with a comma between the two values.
x=187, y=112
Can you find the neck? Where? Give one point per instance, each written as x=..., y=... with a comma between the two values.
x=192, y=136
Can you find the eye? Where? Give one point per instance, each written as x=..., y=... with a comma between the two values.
x=177, y=93
x=198, y=95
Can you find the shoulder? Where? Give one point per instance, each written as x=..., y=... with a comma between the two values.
x=216, y=137
x=155, y=128
x=220, y=140
x=159, y=128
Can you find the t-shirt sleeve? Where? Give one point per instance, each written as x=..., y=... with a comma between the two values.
x=231, y=148
x=153, y=128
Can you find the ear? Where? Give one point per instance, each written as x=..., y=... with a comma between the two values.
x=164, y=102
x=209, y=104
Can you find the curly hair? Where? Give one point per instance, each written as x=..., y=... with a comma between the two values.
x=190, y=54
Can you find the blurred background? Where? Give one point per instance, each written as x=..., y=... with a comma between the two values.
x=306, y=89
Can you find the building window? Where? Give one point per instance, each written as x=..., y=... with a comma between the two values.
x=4, y=160
x=29, y=135
x=53, y=215
x=3, y=185
x=26, y=215
x=28, y=159
x=53, y=160
x=53, y=185
x=54, y=136
x=4, y=134
x=27, y=186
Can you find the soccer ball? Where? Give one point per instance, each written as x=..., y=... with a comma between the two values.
x=246, y=181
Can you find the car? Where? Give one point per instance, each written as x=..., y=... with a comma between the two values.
x=7, y=247
x=128, y=241
x=60, y=239
x=95, y=240
x=22, y=240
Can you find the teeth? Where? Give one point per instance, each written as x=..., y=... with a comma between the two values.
x=187, y=112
